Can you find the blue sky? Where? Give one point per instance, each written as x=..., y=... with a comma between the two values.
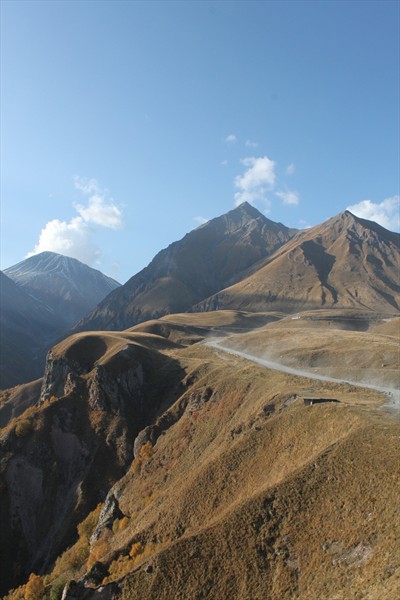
x=124, y=124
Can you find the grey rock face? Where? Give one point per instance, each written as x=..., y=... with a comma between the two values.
x=60, y=377
x=108, y=514
x=106, y=392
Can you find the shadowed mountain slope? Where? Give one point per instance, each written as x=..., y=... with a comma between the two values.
x=206, y=260
x=25, y=325
x=344, y=262
x=41, y=297
x=67, y=286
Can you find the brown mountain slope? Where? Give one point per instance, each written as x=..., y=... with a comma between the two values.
x=237, y=490
x=345, y=262
x=206, y=260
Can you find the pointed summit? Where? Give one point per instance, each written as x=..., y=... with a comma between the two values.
x=206, y=260
x=249, y=209
x=64, y=284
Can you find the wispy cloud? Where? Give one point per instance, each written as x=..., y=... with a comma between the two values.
x=304, y=224
x=224, y=163
x=258, y=178
x=288, y=197
x=201, y=220
x=101, y=209
x=251, y=144
x=231, y=138
x=386, y=213
x=75, y=237
x=290, y=169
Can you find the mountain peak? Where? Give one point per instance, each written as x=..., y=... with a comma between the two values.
x=66, y=285
x=203, y=262
x=349, y=220
x=249, y=209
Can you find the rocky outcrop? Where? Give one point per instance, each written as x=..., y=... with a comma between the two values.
x=77, y=591
x=107, y=392
x=61, y=377
x=108, y=514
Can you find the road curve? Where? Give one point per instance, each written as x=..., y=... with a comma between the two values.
x=392, y=394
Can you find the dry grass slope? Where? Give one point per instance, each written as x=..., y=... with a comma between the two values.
x=246, y=493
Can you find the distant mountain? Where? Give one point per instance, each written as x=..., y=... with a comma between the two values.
x=344, y=262
x=25, y=326
x=68, y=287
x=207, y=259
x=41, y=297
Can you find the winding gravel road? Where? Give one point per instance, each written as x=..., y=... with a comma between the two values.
x=392, y=394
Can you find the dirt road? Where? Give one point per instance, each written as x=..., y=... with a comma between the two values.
x=392, y=394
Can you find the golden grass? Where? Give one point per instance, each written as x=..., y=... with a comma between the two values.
x=249, y=494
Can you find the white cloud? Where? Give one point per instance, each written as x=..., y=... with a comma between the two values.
x=88, y=186
x=290, y=169
x=251, y=144
x=256, y=181
x=289, y=197
x=75, y=237
x=231, y=138
x=304, y=224
x=72, y=239
x=201, y=220
x=386, y=213
x=100, y=210
x=224, y=163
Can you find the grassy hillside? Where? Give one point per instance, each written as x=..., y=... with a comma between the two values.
x=237, y=489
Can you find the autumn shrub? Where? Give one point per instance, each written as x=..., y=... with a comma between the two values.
x=23, y=428
x=123, y=522
x=73, y=558
x=115, y=525
x=16, y=594
x=34, y=589
x=99, y=550
x=86, y=527
x=57, y=588
x=146, y=451
x=118, y=568
x=136, y=549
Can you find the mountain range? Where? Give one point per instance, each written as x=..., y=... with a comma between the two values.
x=244, y=261
x=342, y=263
x=240, y=261
x=206, y=260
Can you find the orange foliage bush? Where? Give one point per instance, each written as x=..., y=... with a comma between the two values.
x=146, y=451
x=123, y=522
x=100, y=548
x=136, y=549
x=34, y=589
